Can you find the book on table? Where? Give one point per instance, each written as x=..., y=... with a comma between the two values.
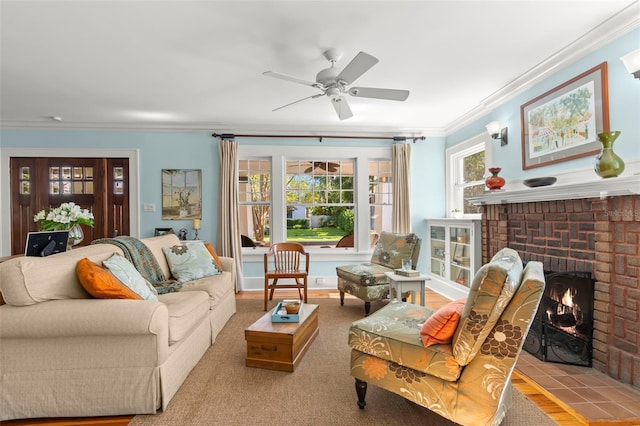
x=407, y=273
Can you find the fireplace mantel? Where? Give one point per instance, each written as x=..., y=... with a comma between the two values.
x=601, y=188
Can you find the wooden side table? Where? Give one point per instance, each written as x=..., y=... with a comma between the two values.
x=400, y=284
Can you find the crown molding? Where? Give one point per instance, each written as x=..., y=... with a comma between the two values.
x=228, y=128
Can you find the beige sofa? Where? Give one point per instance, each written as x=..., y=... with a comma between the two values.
x=65, y=354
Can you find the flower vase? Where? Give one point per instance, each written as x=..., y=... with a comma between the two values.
x=608, y=163
x=76, y=235
x=494, y=181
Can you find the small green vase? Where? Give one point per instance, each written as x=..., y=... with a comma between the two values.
x=608, y=163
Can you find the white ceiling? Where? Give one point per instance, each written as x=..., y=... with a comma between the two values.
x=198, y=64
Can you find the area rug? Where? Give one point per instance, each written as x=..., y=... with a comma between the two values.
x=221, y=390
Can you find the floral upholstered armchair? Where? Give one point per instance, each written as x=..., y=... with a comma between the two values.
x=368, y=281
x=466, y=380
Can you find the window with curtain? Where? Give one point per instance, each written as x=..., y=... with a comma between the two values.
x=254, y=196
x=467, y=166
x=314, y=199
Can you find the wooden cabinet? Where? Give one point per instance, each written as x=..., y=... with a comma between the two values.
x=454, y=254
x=281, y=345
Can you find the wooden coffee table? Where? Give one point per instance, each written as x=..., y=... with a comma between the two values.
x=281, y=345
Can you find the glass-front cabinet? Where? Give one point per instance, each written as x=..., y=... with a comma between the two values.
x=454, y=249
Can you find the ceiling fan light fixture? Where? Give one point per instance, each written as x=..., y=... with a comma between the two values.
x=334, y=82
x=333, y=93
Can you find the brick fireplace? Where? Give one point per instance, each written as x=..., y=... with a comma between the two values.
x=597, y=235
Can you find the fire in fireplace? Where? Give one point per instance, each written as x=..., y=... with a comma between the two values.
x=562, y=330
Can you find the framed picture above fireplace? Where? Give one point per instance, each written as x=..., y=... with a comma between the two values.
x=562, y=124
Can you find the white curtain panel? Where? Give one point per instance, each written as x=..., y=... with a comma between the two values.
x=229, y=221
x=401, y=163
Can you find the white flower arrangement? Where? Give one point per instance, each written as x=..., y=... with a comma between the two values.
x=64, y=217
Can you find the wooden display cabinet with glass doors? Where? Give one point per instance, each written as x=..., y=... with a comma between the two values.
x=454, y=253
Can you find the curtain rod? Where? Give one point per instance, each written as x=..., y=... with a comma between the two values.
x=394, y=138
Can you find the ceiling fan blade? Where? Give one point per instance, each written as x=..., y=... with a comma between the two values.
x=372, y=92
x=314, y=165
x=289, y=78
x=358, y=66
x=342, y=108
x=299, y=100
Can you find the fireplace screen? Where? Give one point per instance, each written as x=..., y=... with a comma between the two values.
x=562, y=330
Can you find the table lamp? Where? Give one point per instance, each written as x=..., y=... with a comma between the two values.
x=196, y=227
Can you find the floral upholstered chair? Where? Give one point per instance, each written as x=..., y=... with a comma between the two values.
x=465, y=376
x=368, y=281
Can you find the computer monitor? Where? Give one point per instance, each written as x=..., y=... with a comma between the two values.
x=44, y=243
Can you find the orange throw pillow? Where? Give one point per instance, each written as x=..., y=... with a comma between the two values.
x=100, y=283
x=214, y=254
x=441, y=326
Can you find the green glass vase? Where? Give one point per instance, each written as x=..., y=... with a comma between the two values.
x=608, y=164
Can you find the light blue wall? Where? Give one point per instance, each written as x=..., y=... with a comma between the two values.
x=624, y=112
x=427, y=188
x=198, y=150
x=158, y=150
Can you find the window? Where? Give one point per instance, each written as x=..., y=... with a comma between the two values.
x=63, y=181
x=313, y=199
x=254, y=199
x=466, y=168
x=319, y=201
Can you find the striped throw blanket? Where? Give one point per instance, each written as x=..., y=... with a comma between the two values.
x=136, y=252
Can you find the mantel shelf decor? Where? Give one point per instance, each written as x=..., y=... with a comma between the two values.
x=494, y=181
x=608, y=164
x=600, y=188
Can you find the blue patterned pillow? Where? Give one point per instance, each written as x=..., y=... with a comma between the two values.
x=190, y=261
x=128, y=275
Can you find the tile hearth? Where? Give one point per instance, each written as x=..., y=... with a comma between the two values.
x=590, y=393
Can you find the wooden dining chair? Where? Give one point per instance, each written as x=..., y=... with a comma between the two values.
x=283, y=261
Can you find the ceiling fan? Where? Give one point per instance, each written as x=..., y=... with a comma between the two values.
x=334, y=82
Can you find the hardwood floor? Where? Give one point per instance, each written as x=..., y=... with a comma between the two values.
x=557, y=411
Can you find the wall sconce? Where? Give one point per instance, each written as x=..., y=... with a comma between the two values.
x=196, y=227
x=494, y=130
x=632, y=61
